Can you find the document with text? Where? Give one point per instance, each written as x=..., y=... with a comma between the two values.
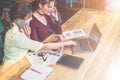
x=74, y=34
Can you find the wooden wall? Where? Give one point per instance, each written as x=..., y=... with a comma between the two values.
x=93, y=4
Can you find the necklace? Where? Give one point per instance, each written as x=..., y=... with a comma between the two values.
x=40, y=13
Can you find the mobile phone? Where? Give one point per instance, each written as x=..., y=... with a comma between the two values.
x=21, y=22
x=52, y=9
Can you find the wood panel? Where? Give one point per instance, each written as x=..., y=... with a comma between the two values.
x=100, y=4
x=90, y=4
x=93, y=4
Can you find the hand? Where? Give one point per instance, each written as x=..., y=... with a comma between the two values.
x=60, y=38
x=70, y=42
x=54, y=12
x=27, y=31
x=41, y=53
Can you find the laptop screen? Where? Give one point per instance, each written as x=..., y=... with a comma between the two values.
x=94, y=37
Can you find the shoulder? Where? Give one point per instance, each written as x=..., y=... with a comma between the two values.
x=33, y=18
x=14, y=29
x=33, y=21
x=14, y=33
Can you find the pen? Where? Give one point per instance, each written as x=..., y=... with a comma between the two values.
x=36, y=71
x=44, y=59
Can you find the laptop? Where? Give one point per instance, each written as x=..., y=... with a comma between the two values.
x=87, y=44
x=70, y=61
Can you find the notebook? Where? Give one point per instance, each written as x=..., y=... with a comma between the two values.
x=87, y=44
x=70, y=61
x=37, y=72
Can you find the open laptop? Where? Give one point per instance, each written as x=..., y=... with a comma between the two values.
x=87, y=44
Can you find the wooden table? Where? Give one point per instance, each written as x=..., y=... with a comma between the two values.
x=98, y=65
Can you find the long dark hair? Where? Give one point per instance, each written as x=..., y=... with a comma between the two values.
x=19, y=10
x=35, y=3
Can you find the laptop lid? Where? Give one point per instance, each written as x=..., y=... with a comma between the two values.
x=94, y=37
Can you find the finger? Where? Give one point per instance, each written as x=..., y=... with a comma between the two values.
x=60, y=38
x=24, y=28
x=39, y=53
x=55, y=9
x=44, y=53
x=55, y=48
x=27, y=28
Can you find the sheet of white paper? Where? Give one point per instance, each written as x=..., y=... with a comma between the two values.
x=74, y=34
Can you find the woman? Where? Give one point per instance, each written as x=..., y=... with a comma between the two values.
x=52, y=4
x=41, y=24
x=17, y=39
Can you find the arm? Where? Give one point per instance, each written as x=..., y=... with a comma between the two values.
x=55, y=26
x=22, y=41
x=55, y=45
x=54, y=12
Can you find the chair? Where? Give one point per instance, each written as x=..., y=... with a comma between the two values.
x=67, y=8
x=1, y=33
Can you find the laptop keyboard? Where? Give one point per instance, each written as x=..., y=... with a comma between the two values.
x=82, y=46
x=85, y=46
x=76, y=48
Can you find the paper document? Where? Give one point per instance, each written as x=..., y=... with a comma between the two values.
x=74, y=34
x=51, y=57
